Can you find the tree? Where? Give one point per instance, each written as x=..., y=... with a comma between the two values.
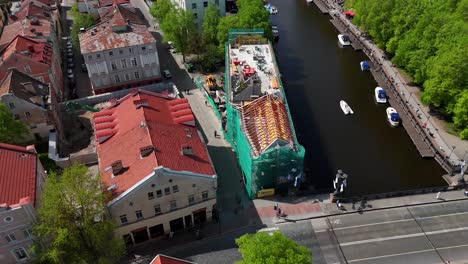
x=161, y=8
x=210, y=25
x=72, y=225
x=80, y=20
x=271, y=249
x=11, y=130
x=252, y=14
x=178, y=27
x=226, y=23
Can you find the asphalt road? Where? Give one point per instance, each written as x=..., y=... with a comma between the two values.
x=422, y=234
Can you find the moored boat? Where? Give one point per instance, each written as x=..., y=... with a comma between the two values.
x=345, y=107
x=364, y=65
x=380, y=95
x=393, y=117
x=344, y=40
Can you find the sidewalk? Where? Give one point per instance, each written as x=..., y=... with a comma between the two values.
x=450, y=146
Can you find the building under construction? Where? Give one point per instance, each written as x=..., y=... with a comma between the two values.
x=258, y=123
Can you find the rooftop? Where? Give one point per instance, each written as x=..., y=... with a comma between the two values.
x=142, y=131
x=33, y=49
x=253, y=72
x=18, y=173
x=162, y=259
x=33, y=28
x=103, y=3
x=24, y=87
x=266, y=124
x=30, y=9
x=121, y=29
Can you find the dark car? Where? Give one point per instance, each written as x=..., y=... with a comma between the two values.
x=167, y=74
x=83, y=68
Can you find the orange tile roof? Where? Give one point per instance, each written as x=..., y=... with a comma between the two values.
x=264, y=122
x=103, y=37
x=31, y=9
x=143, y=119
x=26, y=29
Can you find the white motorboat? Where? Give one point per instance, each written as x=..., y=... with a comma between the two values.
x=309, y=1
x=364, y=65
x=345, y=107
x=380, y=95
x=344, y=40
x=273, y=10
x=393, y=117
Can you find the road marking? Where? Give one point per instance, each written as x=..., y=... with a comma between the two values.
x=426, y=217
x=464, y=245
x=372, y=224
x=391, y=255
x=403, y=236
x=393, y=221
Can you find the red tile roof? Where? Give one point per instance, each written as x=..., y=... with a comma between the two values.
x=31, y=9
x=26, y=28
x=115, y=32
x=17, y=173
x=162, y=259
x=143, y=119
x=23, y=51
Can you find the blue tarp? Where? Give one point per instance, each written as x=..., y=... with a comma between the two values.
x=394, y=117
x=381, y=94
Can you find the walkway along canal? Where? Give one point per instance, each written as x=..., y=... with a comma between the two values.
x=317, y=74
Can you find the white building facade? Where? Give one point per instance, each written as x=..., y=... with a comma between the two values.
x=198, y=7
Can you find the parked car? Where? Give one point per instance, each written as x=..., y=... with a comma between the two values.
x=83, y=68
x=69, y=45
x=70, y=74
x=167, y=74
x=69, y=54
x=71, y=65
x=69, y=60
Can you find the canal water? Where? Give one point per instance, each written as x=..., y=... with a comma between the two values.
x=317, y=74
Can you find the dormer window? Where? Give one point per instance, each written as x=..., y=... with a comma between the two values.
x=187, y=151
x=117, y=167
x=145, y=151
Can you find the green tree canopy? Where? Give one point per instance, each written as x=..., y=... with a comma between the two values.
x=161, y=8
x=226, y=23
x=210, y=25
x=72, y=225
x=178, y=27
x=11, y=130
x=263, y=248
x=429, y=39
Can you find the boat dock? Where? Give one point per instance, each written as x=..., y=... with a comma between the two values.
x=321, y=6
x=422, y=138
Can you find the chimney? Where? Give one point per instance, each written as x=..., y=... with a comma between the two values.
x=117, y=167
x=187, y=151
x=145, y=151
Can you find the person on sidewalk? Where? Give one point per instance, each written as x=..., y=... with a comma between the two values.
x=171, y=235
x=215, y=134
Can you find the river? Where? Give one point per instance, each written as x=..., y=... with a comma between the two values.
x=317, y=74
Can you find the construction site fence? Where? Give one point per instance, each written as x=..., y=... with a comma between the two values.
x=208, y=99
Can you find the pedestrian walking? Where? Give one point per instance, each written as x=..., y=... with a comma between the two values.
x=275, y=206
x=171, y=234
x=438, y=196
x=215, y=134
x=206, y=103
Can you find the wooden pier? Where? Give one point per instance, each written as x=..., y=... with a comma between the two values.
x=321, y=6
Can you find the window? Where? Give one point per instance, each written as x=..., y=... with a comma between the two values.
x=130, y=50
x=205, y=4
x=10, y=237
x=175, y=188
x=27, y=69
x=11, y=105
x=217, y=2
x=191, y=199
x=137, y=75
x=16, y=116
x=167, y=191
x=139, y=214
x=111, y=53
x=98, y=56
x=195, y=15
x=28, y=233
x=134, y=62
x=120, y=51
x=143, y=48
x=194, y=5
x=157, y=209
x=114, y=66
x=40, y=78
x=158, y=193
x=27, y=113
x=127, y=77
x=117, y=78
x=124, y=63
x=20, y=254
x=90, y=57
x=150, y=196
x=123, y=219
x=204, y=195
x=173, y=205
